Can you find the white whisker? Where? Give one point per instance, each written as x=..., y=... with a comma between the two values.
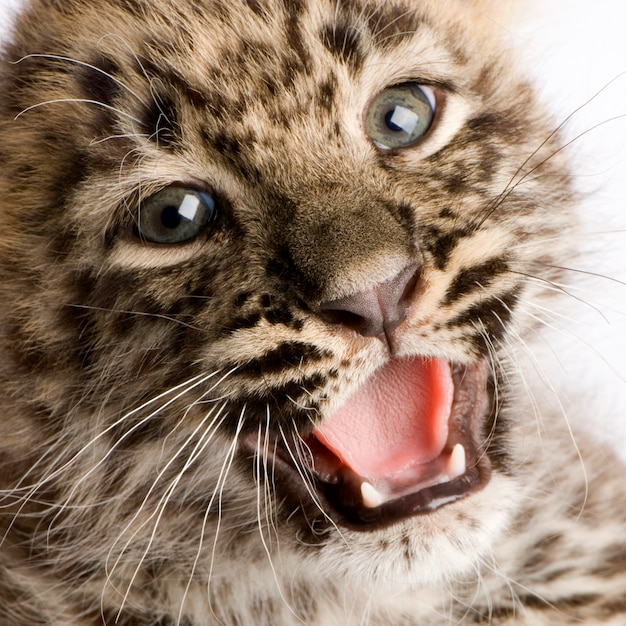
x=108, y=107
x=87, y=65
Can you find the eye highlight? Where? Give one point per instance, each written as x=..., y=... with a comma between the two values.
x=175, y=214
x=400, y=116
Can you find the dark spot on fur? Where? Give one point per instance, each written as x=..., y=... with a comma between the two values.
x=288, y=404
x=279, y=316
x=240, y=323
x=282, y=267
x=613, y=561
x=295, y=41
x=326, y=93
x=613, y=607
x=233, y=147
x=293, y=8
x=256, y=7
x=489, y=124
x=161, y=122
x=98, y=82
x=442, y=244
x=136, y=8
x=342, y=40
x=72, y=167
x=576, y=600
x=176, y=83
x=241, y=298
x=228, y=145
x=392, y=24
x=539, y=554
x=456, y=184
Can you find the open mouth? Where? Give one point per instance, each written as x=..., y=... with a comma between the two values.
x=407, y=442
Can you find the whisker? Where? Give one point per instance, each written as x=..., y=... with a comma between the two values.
x=584, y=272
x=561, y=289
x=207, y=435
x=511, y=185
x=559, y=402
x=108, y=107
x=306, y=479
x=186, y=386
x=162, y=316
x=95, y=68
x=266, y=546
x=95, y=142
x=221, y=481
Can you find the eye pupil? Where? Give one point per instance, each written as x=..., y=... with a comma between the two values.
x=390, y=123
x=400, y=120
x=170, y=218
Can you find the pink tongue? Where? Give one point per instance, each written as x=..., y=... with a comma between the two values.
x=397, y=420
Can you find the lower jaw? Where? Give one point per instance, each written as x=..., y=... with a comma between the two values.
x=351, y=503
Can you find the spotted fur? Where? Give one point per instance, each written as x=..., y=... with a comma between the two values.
x=133, y=374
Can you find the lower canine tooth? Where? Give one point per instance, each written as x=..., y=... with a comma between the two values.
x=456, y=465
x=371, y=496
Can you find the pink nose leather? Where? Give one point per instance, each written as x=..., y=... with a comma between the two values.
x=376, y=312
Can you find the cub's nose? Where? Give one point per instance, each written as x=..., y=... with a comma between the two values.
x=378, y=311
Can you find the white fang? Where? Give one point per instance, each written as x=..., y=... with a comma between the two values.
x=371, y=496
x=457, y=463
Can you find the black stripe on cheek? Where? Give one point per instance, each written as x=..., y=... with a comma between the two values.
x=291, y=404
x=473, y=278
x=284, y=356
x=491, y=315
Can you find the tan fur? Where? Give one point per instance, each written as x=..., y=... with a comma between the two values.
x=134, y=375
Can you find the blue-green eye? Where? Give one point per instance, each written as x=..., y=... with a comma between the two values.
x=175, y=215
x=400, y=116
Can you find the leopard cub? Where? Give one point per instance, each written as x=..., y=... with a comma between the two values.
x=268, y=270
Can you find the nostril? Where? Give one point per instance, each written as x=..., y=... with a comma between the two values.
x=338, y=316
x=367, y=324
x=375, y=312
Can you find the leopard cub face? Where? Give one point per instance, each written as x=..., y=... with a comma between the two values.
x=263, y=266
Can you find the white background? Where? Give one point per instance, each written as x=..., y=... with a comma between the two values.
x=576, y=50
